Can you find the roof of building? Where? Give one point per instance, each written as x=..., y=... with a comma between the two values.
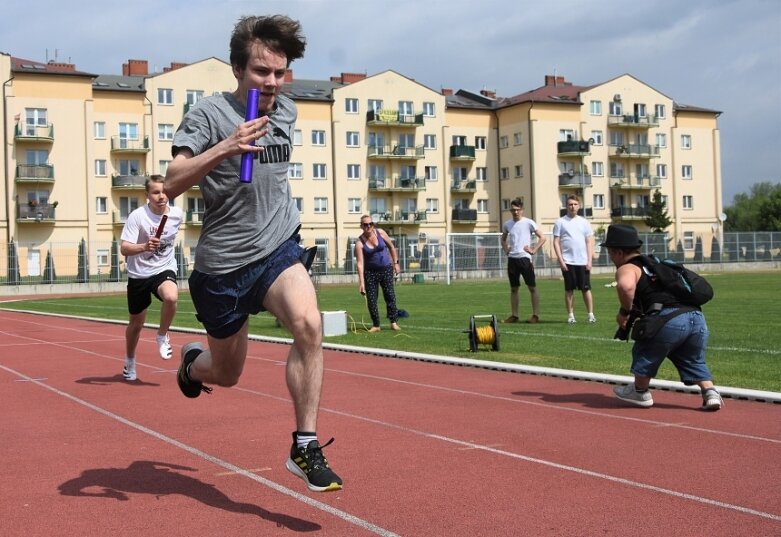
x=311, y=90
x=119, y=83
x=20, y=65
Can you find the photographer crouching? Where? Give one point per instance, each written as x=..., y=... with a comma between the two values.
x=663, y=327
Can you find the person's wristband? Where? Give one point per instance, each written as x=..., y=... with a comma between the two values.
x=623, y=311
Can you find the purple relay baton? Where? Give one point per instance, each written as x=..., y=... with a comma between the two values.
x=250, y=114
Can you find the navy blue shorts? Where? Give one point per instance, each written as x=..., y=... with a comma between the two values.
x=224, y=302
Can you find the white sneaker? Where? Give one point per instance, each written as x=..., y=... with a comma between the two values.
x=164, y=346
x=630, y=395
x=129, y=371
x=711, y=400
x=591, y=318
x=571, y=319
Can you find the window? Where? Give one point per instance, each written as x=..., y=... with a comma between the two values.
x=377, y=206
x=459, y=174
x=616, y=170
x=432, y=205
x=165, y=131
x=34, y=117
x=36, y=156
x=193, y=96
x=353, y=139
x=165, y=96
x=664, y=200
x=298, y=138
x=196, y=206
x=566, y=135
x=102, y=257
x=127, y=206
x=504, y=142
x=376, y=171
x=321, y=205
x=616, y=138
x=661, y=140
x=686, y=171
x=429, y=141
x=428, y=109
x=660, y=111
x=506, y=204
x=375, y=104
x=480, y=142
x=128, y=131
x=661, y=171
x=405, y=108
x=99, y=130
x=595, y=108
x=129, y=167
x=688, y=240
x=353, y=172
x=299, y=204
x=482, y=173
x=482, y=206
x=688, y=202
x=597, y=137
x=318, y=171
x=598, y=201
x=351, y=106
x=504, y=173
x=354, y=205
x=162, y=165
x=411, y=205
x=518, y=138
x=640, y=110
x=318, y=137
x=614, y=108
x=101, y=205
x=295, y=170
x=100, y=167
x=431, y=173
x=519, y=170
x=406, y=140
x=686, y=141
x=597, y=169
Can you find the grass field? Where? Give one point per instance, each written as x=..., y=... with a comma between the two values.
x=744, y=350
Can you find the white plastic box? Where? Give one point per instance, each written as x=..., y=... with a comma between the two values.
x=334, y=323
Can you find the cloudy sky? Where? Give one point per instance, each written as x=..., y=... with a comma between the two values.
x=719, y=54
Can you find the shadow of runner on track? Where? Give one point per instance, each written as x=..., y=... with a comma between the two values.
x=160, y=479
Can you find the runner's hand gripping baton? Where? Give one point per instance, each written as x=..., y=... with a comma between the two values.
x=161, y=226
x=249, y=115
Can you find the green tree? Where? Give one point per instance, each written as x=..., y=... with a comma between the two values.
x=657, y=218
x=759, y=210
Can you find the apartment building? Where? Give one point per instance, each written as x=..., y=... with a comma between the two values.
x=424, y=163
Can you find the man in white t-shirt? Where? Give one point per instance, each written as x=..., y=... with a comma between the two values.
x=573, y=242
x=516, y=243
x=151, y=269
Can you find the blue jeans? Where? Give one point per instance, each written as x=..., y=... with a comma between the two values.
x=683, y=339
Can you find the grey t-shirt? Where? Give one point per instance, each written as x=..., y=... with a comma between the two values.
x=243, y=222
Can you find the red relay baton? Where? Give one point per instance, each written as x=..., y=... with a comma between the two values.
x=161, y=226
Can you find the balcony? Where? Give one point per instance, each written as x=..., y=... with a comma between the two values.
x=194, y=218
x=573, y=148
x=397, y=184
x=462, y=152
x=400, y=218
x=34, y=133
x=573, y=179
x=463, y=186
x=118, y=218
x=34, y=173
x=464, y=216
x=634, y=151
x=386, y=152
x=641, y=182
x=585, y=212
x=393, y=118
x=629, y=213
x=35, y=213
x=633, y=121
x=129, y=182
x=125, y=145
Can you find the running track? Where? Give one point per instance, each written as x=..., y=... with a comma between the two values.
x=425, y=449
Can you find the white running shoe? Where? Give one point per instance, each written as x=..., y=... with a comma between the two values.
x=591, y=318
x=630, y=395
x=129, y=371
x=164, y=346
x=571, y=319
x=711, y=400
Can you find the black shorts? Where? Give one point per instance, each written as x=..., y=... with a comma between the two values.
x=577, y=277
x=520, y=266
x=140, y=290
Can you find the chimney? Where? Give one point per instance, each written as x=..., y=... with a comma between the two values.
x=135, y=68
x=447, y=92
x=59, y=66
x=174, y=66
x=348, y=78
x=553, y=80
x=288, y=75
x=491, y=94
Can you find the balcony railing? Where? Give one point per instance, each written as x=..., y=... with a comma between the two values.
x=585, y=212
x=634, y=151
x=462, y=152
x=463, y=186
x=129, y=182
x=573, y=148
x=393, y=118
x=126, y=145
x=195, y=218
x=34, y=173
x=396, y=183
x=630, y=120
x=629, y=213
x=395, y=152
x=464, y=216
x=635, y=182
x=574, y=180
x=43, y=212
x=34, y=133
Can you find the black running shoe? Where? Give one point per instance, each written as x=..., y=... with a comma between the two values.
x=190, y=388
x=310, y=464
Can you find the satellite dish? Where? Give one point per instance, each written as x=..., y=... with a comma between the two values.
x=723, y=217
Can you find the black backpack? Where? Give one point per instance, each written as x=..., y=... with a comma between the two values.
x=687, y=286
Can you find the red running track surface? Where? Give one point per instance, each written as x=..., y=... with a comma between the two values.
x=424, y=449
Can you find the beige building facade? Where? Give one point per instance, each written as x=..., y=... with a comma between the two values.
x=424, y=163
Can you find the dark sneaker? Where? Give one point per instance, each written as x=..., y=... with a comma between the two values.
x=310, y=465
x=190, y=388
x=511, y=319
